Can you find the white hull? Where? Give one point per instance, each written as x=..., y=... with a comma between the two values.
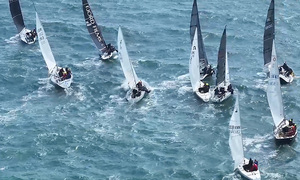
x=112, y=55
x=254, y=175
x=217, y=98
x=22, y=35
x=204, y=96
x=56, y=80
x=136, y=99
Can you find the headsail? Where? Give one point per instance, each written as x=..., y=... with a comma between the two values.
x=16, y=14
x=126, y=64
x=222, y=58
x=235, y=136
x=194, y=64
x=195, y=24
x=269, y=34
x=44, y=45
x=92, y=26
x=274, y=90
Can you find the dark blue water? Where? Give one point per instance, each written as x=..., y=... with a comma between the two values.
x=89, y=131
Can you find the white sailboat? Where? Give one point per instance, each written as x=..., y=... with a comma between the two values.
x=200, y=88
x=286, y=74
x=223, y=89
x=59, y=76
x=241, y=164
x=135, y=93
x=285, y=131
x=26, y=35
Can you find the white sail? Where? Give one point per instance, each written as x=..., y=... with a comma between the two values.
x=274, y=91
x=194, y=64
x=227, y=82
x=126, y=64
x=44, y=45
x=235, y=136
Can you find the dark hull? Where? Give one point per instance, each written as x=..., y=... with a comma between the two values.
x=282, y=81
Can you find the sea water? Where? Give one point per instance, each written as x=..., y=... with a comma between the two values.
x=89, y=131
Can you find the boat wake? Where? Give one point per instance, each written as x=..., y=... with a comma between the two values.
x=13, y=40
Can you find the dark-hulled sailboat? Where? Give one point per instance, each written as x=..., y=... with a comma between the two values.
x=26, y=35
x=286, y=74
x=107, y=51
x=223, y=89
x=205, y=69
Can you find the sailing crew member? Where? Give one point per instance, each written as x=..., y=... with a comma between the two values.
x=285, y=69
x=110, y=49
x=68, y=70
x=60, y=73
x=140, y=87
x=229, y=88
x=204, y=88
x=135, y=93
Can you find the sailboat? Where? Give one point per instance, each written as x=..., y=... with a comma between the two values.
x=107, y=51
x=285, y=131
x=26, y=35
x=200, y=88
x=241, y=164
x=135, y=92
x=286, y=74
x=223, y=89
x=205, y=69
x=62, y=77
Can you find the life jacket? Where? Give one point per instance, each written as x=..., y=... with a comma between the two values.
x=254, y=167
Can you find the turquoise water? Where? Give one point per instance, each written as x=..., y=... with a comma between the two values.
x=89, y=131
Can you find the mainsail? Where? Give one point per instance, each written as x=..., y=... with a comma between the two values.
x=195, y=24
x=274, y=91
x=16, y=14
x=269, y=34
x=44, y=45
x=222, y=58
x=92, y=26
x=194, y=64
x=235, y=136
x=126, y=64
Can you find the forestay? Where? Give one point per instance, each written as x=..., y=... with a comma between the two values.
x=126, y=64
x=274, y=90
x=235, y=136
x=44, y=45
x=269, y=34
x=92, y=26
x=194, y=64
x=222, y=58
x=195, y=24
x=16, y=14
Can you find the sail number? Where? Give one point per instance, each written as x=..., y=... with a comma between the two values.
x=235, y=129
x=41, y=34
